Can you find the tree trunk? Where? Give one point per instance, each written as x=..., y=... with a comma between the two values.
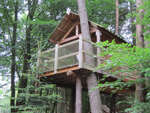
x=70, y=100
x=13, y=57
x=95, y=102
x=139, y=93
x=113, y=103
x=78, y=106
x=117, y=17
x=147, y=45
x=32, y=5
x=61, y=105
x=139, y=27
x=94, y=97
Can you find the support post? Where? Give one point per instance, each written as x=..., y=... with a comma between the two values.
x=78, y=105
x=77, y=30
x=56, y=58
x=98, y=36
x=80, y=52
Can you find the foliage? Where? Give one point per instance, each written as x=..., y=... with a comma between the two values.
x=46, y=18
x=132, y=61
x=38, y=96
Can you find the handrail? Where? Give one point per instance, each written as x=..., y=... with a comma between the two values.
x=49, y=50
x=55, y=58
x=70, y=43
x=89, y=41
x=69, y=55
x=94, y=56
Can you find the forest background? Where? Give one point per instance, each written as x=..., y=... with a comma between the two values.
x=25, y=27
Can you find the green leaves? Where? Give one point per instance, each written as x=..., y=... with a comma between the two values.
x=43, y=22
x=132, y=62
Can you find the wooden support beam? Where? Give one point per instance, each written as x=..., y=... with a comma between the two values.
x=98, y=36
x=77, y=29
x=78, y=105
x=80, y=56
x=74, y=37
x=60, y=30
x=56, y=59
x=69, y=31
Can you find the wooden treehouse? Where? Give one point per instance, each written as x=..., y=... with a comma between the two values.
x=69, y=55
x=61, y=64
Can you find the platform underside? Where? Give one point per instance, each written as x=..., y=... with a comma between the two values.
x=61, y=78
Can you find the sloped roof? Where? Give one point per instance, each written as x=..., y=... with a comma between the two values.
x=68, y=21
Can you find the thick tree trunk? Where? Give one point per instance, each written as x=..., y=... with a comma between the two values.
x=13, y=58
x=139, y=93
x=94, y=95
x=117, y=17
x=78, y=105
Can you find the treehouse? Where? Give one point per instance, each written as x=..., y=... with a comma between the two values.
x=69, y=54
x=70, y=59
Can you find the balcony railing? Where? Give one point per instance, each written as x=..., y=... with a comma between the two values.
x=68, y=55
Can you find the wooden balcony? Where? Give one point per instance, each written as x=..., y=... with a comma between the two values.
x=72, y=57
x=67, y=57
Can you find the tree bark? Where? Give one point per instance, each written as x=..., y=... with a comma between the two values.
x=147, y=45
x=32, y=5
x=13, y=57
x=139, y=26
x=117, y=17
x=94, y=95
x=78, y=106
x=113, y=103
x=139, y=93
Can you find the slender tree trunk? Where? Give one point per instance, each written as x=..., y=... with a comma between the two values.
x=94, y=95
x=78, y=106
x=147, y=45
x=139, y=93
x=70, y=100
x=13, y=57
x=73, y=99
x=32, y=5
x=113, y=103
x=139, y=27
x=117, y=17
x=61, y=105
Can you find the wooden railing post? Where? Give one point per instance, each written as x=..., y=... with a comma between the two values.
x=77, y=30
x=98, y=36
x=80, y=52
x=56, y=58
